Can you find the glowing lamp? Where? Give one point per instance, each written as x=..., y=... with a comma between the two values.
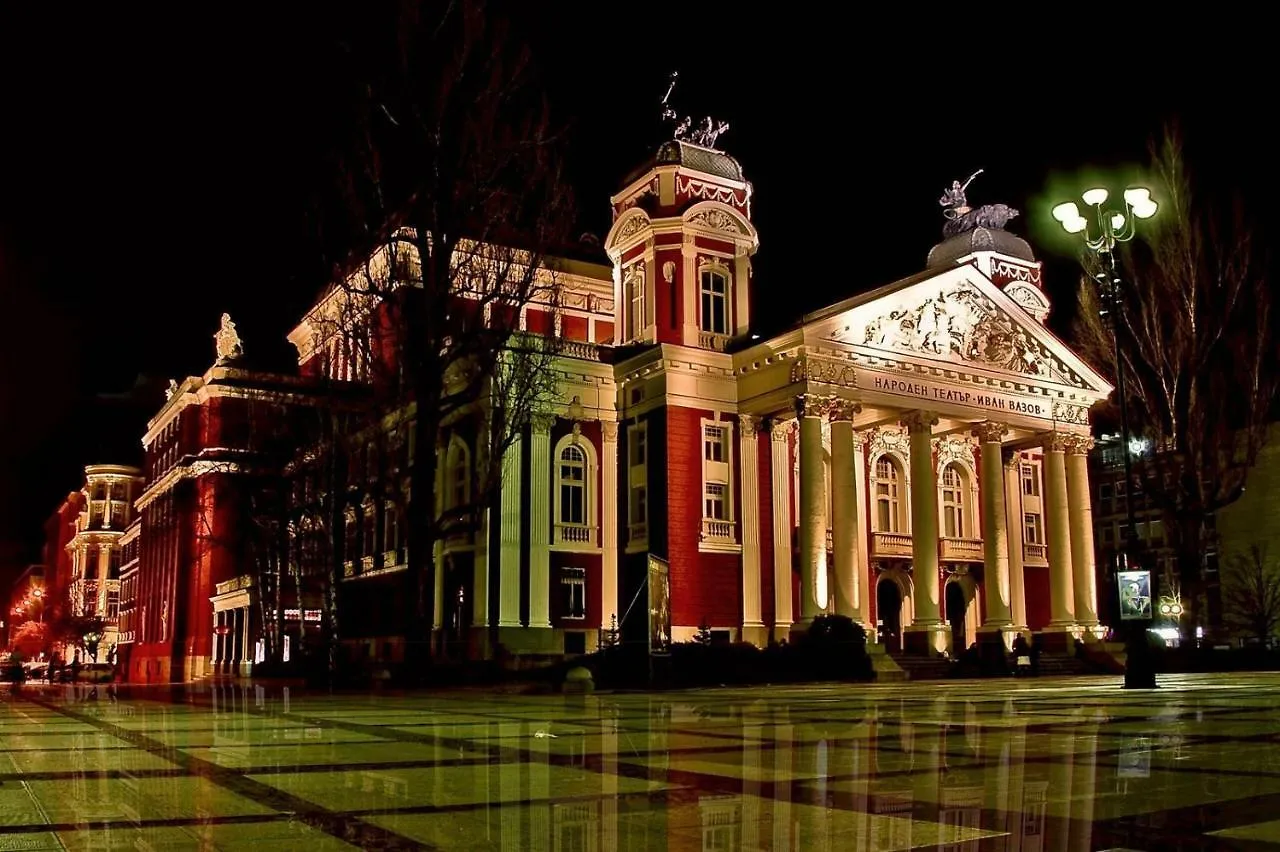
x=39, y=593
x=1095, y=197
x=1066, y=212
x=1165, y=609
x=1076, y=225
x=1137, y=195
x=1145, y=210
x=1117, y=221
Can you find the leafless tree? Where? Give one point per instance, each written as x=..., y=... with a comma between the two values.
x=452, y=193
x=1251, y=593
x=1195, y=335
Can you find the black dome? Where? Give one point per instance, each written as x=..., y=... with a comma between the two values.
x=950, y=250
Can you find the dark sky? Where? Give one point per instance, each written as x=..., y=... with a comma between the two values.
x=157, y=171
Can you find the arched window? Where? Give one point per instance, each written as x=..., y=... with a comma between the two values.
x=575, y=499
x=572, y=481
x=457, y=478
x=633, y=286
x=953, y=502
x=888, y=482
x=714, y=288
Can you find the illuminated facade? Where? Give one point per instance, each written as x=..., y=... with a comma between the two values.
x=106, y=510
x=913, y=457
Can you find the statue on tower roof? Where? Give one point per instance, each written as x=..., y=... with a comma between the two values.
x=704, y=134
x=227, y=341
x=961, y=218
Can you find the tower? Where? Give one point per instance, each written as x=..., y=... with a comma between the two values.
x=681, y=244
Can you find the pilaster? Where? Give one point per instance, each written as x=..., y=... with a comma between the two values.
x=609, y=524
x=753, y=628
x=509, y=537
x=540, y=521
x=780, y=467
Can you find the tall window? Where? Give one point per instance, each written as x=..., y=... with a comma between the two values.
x=573, y=486
x=1030, y=482
x=638, y=476
x=633, y=285
x=953, y=487
x=888, y=482
x=574, y=583
x=390, y=528
x=369, y=528
x=716, y=481
x=715, y=300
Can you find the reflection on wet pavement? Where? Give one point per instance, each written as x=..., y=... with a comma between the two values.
x=1071, y=764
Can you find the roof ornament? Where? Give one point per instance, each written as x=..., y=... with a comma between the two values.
x=961, y=218
x=171, y=389
x=703, y=134
x=227, y=341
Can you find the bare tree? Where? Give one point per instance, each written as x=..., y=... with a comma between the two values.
x=1251, y=593
x=1195, y=334
x=452, y=192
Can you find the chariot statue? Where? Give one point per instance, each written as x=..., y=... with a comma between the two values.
x=961, y=218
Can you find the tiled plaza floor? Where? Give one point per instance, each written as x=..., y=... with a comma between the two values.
x=1025, y=766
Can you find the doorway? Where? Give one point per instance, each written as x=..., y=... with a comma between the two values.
x=956, y=606
x=889, y=613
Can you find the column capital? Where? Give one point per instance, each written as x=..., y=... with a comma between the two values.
x=779, y=430
x=990, y=432
x=1079, y=445
x=542, y=423
x=813, y=405
x=844, y=409
x=1057, y=442
x=609, y=430
x=1011, y=458
x=919, y=421
x=748, y=425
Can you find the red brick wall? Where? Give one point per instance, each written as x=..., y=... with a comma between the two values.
x=704, y=586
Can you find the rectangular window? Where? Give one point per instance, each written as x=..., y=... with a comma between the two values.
x=715, y=301
x=638, y=482
x=573, y=582
x=638, y=442
x=634, y=284
x=714, y=439
x=1034, y=530
x=714, y=504
x=1030, y=482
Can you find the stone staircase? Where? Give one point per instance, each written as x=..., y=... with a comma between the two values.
x=924, y=668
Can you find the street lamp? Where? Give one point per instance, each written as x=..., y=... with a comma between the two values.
x=1102, y=227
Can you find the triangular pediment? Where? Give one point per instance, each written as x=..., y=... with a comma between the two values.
x=956, y=316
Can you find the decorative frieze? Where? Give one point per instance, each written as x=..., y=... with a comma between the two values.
x=889, y=440
x=808, y=368
x=954, y=449
x=1065, y=412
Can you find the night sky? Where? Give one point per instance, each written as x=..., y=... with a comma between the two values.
x=155, y=172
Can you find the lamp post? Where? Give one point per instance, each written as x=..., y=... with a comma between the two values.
x=1102, y=229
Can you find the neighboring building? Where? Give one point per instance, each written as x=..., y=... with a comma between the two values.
x=28, y=601
x=209, y=451
x=106, y=511
x=130, y=550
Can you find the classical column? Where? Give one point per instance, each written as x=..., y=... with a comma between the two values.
x=217, y=642
x=813, y=516
x=1061, y=588
x=862, y=551
x=926, y=632
x=995, y=536
x=540, y=522
x=1013, y=513
x=844, y=510
x=609, y=524
x=780, y=469
x=104, y=571
x=509, y=537
x=1080, y=517
x=753, y=629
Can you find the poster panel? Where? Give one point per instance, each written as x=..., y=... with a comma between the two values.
x=1135, y=595
x=659, y=606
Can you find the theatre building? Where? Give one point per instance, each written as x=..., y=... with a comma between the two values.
x=912, y=457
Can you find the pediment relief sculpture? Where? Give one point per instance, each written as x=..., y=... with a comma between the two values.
x=961, y=322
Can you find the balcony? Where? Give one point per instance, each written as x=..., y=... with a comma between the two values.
x=575, y=535
x=1035, y=554
x=960, y=549
x=581, y=350
x=890, y=544
x=711, y=340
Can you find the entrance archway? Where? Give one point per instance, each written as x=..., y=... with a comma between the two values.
x=889, y=613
